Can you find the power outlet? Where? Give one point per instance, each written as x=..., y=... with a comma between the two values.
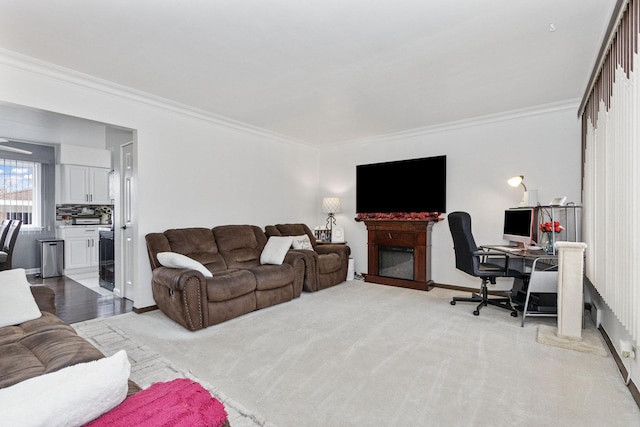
x=628, y=350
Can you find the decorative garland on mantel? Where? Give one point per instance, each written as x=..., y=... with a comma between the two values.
x=417, y=216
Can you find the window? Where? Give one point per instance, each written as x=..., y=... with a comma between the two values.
x=20, y=192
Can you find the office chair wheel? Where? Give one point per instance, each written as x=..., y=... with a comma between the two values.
x=453, y=302
x=476, y=312
x=514, y=314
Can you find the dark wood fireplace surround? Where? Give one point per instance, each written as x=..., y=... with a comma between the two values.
x=414, y=234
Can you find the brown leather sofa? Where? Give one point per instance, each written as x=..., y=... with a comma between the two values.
x=43, y=345
x=325, y=266
x=240, y=284
x=48, y=344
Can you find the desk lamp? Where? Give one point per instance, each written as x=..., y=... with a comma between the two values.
x=529, y=198
x=331, y=206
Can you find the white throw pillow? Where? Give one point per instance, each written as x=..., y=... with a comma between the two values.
x=176, y=260
x=275, y=250
x=72, y=396
x=302, y=242
x=17, y=304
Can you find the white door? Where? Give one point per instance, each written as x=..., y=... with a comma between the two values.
x=127, y=224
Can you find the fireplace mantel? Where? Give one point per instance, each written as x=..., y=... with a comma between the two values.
x=414, y=234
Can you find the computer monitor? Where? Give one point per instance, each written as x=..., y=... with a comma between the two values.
x=518, y=225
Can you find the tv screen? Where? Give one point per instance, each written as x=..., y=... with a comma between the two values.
x=416, y=185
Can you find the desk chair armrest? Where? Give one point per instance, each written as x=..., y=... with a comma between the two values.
x=484, y=254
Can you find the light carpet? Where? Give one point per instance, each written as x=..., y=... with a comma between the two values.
x=360, y=354
x=148, y=367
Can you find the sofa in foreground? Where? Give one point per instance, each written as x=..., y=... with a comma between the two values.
x=51, y=376
x=43, y=345
x=203, y=276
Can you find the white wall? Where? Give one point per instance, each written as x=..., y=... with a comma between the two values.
x=542, y=145
x=192, y=170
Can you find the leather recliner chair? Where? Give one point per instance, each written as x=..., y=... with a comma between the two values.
x=326, y=264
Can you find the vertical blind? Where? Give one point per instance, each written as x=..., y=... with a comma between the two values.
x=611, y=176
x=19, y=191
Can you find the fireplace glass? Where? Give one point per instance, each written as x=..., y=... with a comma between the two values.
x=395, y=262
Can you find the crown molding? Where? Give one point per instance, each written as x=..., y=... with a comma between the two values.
x=475, y=121
x=55, y=72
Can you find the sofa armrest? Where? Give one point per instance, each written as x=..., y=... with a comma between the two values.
x=298, y=262
x=181, y=294
x=45, y=298
x=342, y=250
x=175, y=278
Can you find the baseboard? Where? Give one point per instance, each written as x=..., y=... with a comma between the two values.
x=144, y=309
x=633, y=389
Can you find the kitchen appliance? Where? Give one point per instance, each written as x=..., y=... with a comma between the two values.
x=86, y=220
x=106, y=264
x=51, y=258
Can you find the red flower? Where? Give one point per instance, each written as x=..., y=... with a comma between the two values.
x=548, y=227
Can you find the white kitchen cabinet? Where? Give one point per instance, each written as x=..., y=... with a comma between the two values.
x=99, y=179
x=81, y=248
x=85, y=185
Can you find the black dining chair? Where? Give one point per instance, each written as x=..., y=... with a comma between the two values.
x=484, y=264
x=4, y=228
x=9, y=244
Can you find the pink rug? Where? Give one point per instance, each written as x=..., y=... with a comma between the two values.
x=178, y=403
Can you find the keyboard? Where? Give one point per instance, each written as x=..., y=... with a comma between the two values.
x=507, y=248
x=517, y=249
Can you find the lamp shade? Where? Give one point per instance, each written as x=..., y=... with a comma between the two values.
x=331, y=205
x=517, y=180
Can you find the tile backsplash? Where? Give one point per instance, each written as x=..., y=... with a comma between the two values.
x=63, y=211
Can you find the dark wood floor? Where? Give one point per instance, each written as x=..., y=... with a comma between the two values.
x=77, y=303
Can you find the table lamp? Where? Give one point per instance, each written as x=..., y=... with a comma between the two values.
x=331, y=206
x=529, y=197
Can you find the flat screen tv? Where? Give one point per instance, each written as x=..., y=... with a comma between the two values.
x=415, y=185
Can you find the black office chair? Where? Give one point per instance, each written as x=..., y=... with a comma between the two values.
x=6, y=254
x=486, y=265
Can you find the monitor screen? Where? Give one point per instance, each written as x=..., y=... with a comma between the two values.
x=518, y=225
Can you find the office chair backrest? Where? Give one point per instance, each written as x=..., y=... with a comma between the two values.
x=464, y=245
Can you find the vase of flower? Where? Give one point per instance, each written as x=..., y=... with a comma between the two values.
x=548, y=242
x=549, y=230
x=105, y=214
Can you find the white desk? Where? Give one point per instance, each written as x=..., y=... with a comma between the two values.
x=542, y=271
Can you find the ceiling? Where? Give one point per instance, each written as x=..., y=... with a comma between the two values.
x=324, y=71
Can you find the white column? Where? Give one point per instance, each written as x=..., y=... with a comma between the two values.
x=570, y=289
